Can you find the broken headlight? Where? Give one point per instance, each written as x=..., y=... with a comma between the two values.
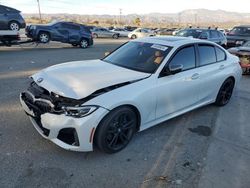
x=79, y=111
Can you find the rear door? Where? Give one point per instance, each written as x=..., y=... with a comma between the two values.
x=179, y=91
x=60, y=32
x=74, y=33
x=212, y=66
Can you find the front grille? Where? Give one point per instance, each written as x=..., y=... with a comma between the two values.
x=38, y=107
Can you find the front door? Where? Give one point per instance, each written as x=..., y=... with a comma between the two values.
x=179, y=91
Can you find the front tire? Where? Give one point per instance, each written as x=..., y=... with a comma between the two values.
x=225, y=92
x=43, y=37
x=133, y=37
x=116, y=130
x=115, y=36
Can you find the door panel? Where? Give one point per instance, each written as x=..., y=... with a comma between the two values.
x=211, y=75
x=60, y=33
x=179, y=91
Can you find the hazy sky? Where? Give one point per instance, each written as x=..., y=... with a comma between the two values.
x=127, y=6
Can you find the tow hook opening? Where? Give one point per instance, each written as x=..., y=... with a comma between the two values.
x=69, y=136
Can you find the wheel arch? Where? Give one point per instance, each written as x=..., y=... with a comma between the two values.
x=43, y=31
x=134, y=108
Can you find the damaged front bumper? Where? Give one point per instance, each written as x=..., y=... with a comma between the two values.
x=68, y=132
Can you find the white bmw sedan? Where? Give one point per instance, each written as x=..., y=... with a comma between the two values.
x=144, y=82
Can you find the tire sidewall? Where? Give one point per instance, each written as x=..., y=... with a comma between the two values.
x=218, y=102
x=87, y=44
x=100, y=134
x=15, y=23
x=39, y=37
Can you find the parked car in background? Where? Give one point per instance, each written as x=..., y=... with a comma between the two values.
x=11, y=19
x=140, y=33
x=130, y=28
x=243, y=52
x=212, y=35
x=122, y=32
x=104, y=102
x=165, y=31
x=66, y=32
x=104, y=33
x=238, y=36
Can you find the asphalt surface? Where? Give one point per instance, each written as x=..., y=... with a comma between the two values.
x=208, y=147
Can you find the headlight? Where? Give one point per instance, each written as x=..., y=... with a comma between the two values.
x=80, y=111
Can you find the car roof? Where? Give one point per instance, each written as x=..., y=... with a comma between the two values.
x=243, y=26
x=173, y=41
x=201, y=29
x=10, y=9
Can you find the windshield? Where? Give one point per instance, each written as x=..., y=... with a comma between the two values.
x=139, y=56
x=240, y=31
x=189, y=33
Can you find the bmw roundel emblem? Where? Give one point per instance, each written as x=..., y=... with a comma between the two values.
x=39, y=80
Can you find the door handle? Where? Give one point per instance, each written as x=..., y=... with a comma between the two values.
x=195, y=76
x=222, y=67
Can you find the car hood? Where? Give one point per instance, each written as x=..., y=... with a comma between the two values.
x=80, y=79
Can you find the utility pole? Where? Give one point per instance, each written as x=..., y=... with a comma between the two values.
x=39, y=9
x=120, y=19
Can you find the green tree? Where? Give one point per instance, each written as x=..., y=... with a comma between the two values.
x=137, y=21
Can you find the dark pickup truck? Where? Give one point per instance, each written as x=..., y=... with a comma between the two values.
x=238, y=36
x=66, y=32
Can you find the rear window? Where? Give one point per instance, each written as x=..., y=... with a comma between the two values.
x=207, y=54
x=220, y=54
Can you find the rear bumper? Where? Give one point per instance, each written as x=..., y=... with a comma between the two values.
x=91, y=41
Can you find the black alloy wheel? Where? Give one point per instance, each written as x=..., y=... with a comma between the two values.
x=116, y=130
x=225, y=92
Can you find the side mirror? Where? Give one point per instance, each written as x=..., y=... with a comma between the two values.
x=173, y=69
x=106, y=53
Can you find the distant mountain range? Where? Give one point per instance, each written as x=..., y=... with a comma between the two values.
x=191, y=16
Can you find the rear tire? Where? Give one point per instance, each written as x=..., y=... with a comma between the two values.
x=95, y=36
x=225, y=92
x=75, y=45
x=84, y=43
x=116, y=130
x=14, y=26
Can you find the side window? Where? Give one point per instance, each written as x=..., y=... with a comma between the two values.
x=185, y=57
x=214, y=34
x=74, y=27
x=204, y=35
x=207, y=54
x=220, y=54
